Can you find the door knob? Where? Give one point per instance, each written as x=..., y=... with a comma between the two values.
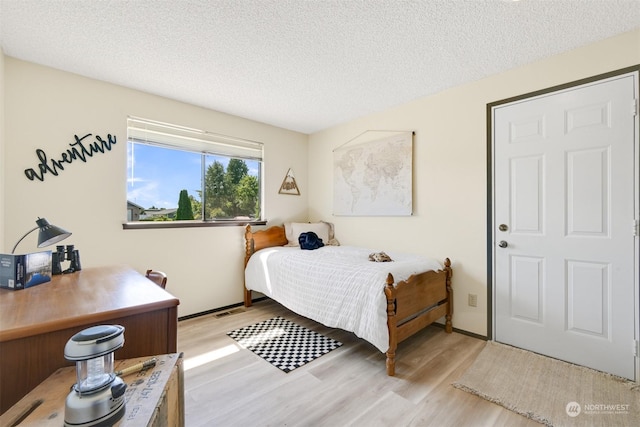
x=503, y=244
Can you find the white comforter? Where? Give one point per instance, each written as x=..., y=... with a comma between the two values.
x=334, y=285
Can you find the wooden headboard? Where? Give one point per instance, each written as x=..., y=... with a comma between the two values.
x=254, y=241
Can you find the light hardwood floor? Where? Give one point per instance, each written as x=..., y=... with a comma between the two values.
x=226, y=385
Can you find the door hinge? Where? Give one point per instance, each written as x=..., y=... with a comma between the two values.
x=636, y=228
x=634, y=108
x=636, y=348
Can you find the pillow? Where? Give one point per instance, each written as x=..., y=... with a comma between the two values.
x=323, y=229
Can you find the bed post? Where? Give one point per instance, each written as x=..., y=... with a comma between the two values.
x=247, y=298
x=248, y=251
x=390, y=292
x=448, y=328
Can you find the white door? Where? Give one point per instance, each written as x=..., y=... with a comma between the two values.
x=565, y=209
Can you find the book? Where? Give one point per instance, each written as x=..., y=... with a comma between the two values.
x=24, y=271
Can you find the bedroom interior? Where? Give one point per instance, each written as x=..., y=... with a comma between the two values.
x=46, y=102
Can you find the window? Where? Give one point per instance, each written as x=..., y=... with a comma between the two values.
x=176, y=173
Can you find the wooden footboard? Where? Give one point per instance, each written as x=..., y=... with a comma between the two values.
x=412, y=304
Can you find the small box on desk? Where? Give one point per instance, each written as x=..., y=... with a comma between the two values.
x=24, y=271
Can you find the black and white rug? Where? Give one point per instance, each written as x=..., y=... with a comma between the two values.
x=284, y=344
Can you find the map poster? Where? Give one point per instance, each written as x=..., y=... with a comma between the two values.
x=374, y=178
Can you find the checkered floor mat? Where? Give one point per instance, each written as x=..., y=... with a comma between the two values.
x=284, y=344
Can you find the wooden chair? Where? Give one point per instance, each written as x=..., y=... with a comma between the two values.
x=157, y=277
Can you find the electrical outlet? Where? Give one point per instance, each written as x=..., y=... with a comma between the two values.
x=473, y=300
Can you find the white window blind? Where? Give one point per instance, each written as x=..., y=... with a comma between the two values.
x=144, y=131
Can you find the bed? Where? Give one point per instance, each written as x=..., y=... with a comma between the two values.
x=338, y=286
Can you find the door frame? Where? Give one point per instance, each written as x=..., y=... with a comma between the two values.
x=490, y=191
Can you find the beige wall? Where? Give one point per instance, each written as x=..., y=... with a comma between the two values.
x=450, y=167
x=46, y=107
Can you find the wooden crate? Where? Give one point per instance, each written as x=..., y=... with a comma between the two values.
x=154, y=397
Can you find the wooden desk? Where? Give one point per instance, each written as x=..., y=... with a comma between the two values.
x=154, y=397
x=37, y=322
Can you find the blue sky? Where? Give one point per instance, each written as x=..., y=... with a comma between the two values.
x=156, y=175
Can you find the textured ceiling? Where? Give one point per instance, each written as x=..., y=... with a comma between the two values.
x=296, y=64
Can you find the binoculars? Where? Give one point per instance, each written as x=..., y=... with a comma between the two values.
x=60, y=255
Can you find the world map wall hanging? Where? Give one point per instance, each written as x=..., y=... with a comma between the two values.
x=374, y=178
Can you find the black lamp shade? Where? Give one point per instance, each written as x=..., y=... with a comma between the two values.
x=49, y=234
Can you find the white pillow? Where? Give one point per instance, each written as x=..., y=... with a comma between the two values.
x=324, y=230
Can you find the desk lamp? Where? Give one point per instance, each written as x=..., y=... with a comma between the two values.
x=48, y=235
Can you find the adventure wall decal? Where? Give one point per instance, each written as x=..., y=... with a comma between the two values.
x=78, y=151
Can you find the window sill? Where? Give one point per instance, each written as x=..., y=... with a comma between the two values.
x=145, y=225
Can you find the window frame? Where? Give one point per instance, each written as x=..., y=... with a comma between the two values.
x=204, y=143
